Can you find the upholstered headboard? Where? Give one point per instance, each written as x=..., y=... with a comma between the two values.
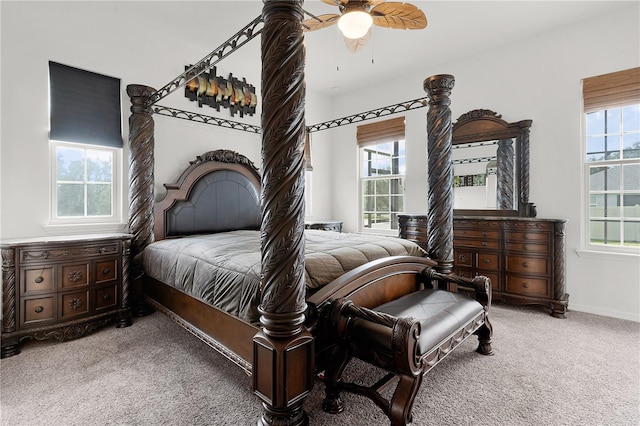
x=219, y=191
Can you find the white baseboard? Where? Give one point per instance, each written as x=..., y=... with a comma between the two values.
x=605, y=312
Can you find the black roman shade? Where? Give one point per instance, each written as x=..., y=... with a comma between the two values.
x=85, y=106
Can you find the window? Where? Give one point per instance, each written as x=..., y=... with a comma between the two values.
x=612, y=160
x=86, y=143
x=383, y=168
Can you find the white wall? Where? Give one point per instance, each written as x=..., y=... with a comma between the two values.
x=115, y=39
x=538, y=79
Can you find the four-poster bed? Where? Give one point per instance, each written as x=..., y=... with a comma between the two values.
x=296, y=330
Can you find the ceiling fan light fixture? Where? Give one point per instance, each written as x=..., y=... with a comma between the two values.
x=355, y=24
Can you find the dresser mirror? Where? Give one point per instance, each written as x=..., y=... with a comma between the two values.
x=491, y=166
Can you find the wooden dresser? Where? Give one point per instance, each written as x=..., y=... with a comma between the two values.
x=523, y=257
x=63, y=287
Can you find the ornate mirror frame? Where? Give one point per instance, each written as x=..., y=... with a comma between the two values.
x=483, y=125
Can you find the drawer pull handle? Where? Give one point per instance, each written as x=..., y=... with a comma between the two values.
x=105, y=297
x=38, y=280
x=38, y=309
x=75, y=276
x=484, y=233
x=102, y=250
x=485, y=260
x=484, y=244
x=105, y=271
x=525, y=264
x=525, y=285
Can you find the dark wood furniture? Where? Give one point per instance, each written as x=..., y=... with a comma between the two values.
x=63, y=288
x=283, y=353
x=324, y=225
x=523, y=257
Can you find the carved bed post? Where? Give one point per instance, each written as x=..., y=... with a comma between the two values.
x=141, y=199
x=283, y=350
x=440, y=172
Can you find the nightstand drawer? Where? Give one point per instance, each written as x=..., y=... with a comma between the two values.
x=463, y=258
x=106, y=297
x=106, y=270
x=73, y=304
x=38, y=279
x=38, y=310
x=75, y=275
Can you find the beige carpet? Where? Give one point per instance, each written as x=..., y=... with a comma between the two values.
x=583, y=370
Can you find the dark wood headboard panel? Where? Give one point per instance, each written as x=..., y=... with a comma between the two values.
x=219, y=191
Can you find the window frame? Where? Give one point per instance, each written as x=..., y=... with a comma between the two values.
x=115, y=219
x=588, y=194
x=362, y=179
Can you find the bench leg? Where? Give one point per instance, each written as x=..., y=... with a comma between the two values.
x=403, y=398
x=484, y=334
x=332, y=402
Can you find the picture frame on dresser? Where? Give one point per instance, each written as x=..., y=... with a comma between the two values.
x=63, y=288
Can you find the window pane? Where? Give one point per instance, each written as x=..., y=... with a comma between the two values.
x=384, y=166
x=613, y=232
x=69, y=164
x=596, y=231
x=382, y=221
x=595, y=123
x=386, y=148
x=70, y=199
x=604, y=178
x=99, y=200
x=382, y=203
x=631, y=118
x=613, y=206
x=382, y=186
x=631, y=206
x=99, y=166
x=369, y=204
x=396, y=203
x=597, y=205
x=396, y=186
x=632, y=233
x=631, y=177
x=368, y=187
x=613, y=147
x=631, y=145
x=613, y=120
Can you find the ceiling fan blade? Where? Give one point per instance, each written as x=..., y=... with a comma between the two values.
x=335, y=2
x=322, y=21
x=355, y=44
x=372, y=3
x=399, y=16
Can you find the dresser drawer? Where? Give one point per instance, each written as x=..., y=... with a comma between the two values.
x=530, y=265
x=463, y=257
x=64, y=252
x=38, y=279
x=488, y=261
x=74, y=275
x=465, y=242
x=38, y=310
x=527, y=247
x=528, y=236
x=73, y=304
x=527, y=286
x=476, y=233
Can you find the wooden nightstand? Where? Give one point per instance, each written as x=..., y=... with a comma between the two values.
x=63, y=288
x=335, y=226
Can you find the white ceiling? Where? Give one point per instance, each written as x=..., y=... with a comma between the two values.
x=454, y=29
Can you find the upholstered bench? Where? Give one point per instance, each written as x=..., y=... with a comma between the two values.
x=406, y=337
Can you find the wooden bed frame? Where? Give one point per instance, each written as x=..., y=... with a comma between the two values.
x=284, y=353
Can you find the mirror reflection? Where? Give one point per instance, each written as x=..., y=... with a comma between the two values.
x=484, y=175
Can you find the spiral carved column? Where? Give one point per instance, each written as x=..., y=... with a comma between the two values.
x=141, y=163
x=8, y=290
x=283, y=350
x=505, y=155
x=440, y=172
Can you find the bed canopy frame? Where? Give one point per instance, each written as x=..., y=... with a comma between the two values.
x=283, y=348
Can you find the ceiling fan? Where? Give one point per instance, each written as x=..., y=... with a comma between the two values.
x=357, y=17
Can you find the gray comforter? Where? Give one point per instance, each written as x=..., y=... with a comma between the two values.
x=224, y=269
